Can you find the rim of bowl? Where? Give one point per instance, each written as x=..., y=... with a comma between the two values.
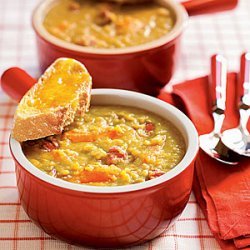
x=191, y=148
x=42, y=8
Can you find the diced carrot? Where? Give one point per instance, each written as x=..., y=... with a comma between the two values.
x=94, y=176
x=82, y=137
x=113, y=134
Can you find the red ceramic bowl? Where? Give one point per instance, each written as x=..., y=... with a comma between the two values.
x=110, y=216
x=145, y=68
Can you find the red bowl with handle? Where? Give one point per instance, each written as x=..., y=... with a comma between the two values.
x=145, y=68
x=109, y=216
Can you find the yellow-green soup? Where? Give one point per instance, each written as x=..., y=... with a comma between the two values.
x=110, y=146
x=101, y=24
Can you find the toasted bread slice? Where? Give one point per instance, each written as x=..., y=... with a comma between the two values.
x=51, y=104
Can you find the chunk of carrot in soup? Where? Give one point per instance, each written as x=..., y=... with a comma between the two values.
x=80, y=137
x=94, y=176
x=75, y=136
x=113, y=134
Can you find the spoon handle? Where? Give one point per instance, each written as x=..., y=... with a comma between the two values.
x=218, y=84
x=245, y=80
x=244, y=90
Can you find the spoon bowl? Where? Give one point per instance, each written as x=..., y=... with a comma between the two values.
x=237, y=140
x=214, y=147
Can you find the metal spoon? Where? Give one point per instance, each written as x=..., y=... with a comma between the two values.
x=211, y=143
x=238, y=139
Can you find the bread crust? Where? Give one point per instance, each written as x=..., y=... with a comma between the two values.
x=51, y=121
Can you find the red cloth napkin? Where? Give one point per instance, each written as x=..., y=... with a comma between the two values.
x=223, y=192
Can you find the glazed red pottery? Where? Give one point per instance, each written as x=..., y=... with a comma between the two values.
x=145, y=68
x=109, y=216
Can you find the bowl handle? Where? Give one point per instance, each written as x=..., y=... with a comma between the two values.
x=15, y=82
x=197, y=7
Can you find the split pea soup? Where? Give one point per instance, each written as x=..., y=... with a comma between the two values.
x=109, y=146
x=100, y=24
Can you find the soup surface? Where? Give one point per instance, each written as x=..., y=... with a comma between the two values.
x=101, y=24
x=110, y=146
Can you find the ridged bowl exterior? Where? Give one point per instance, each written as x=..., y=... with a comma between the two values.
x=103, y=220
